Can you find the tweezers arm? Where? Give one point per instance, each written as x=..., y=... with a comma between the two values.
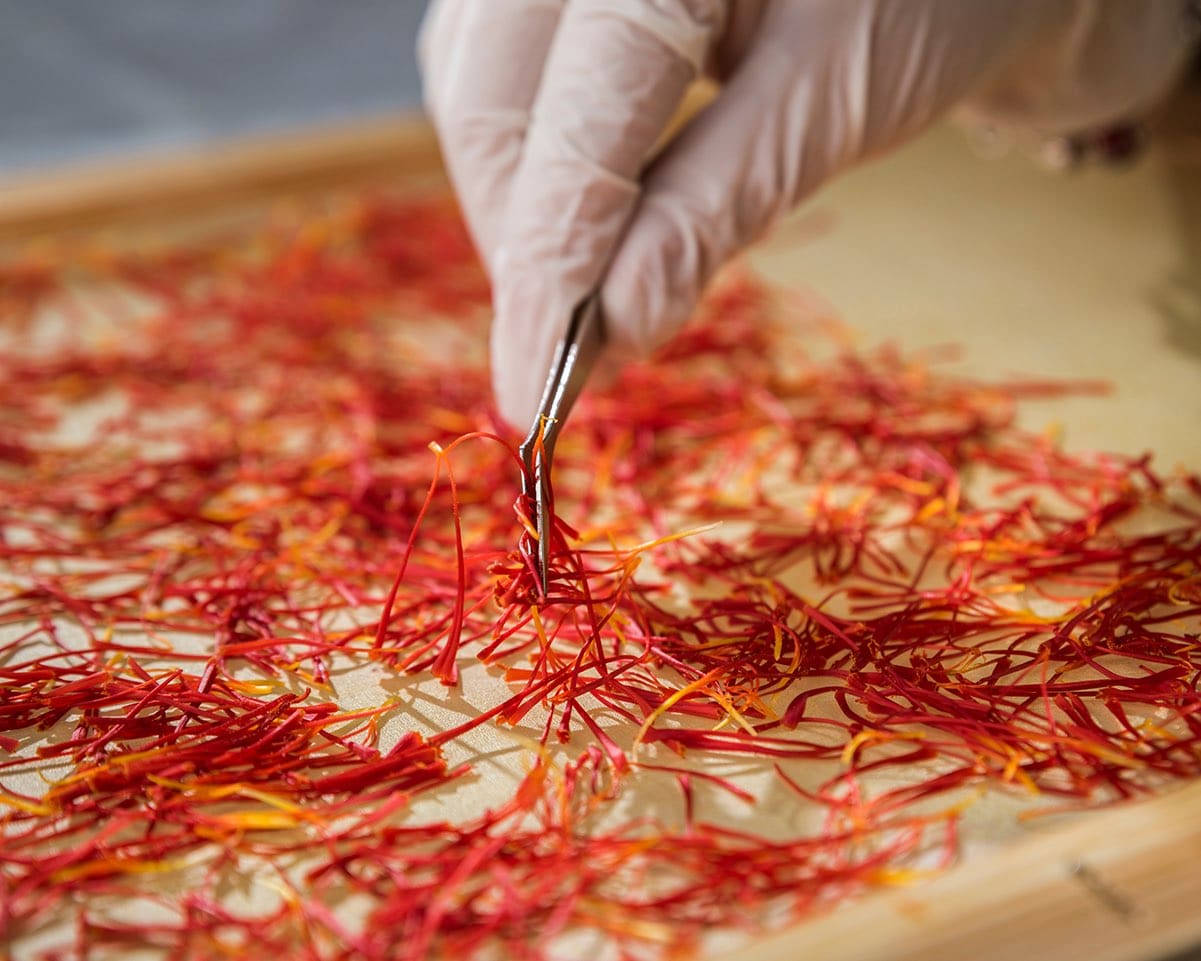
x=574, y=359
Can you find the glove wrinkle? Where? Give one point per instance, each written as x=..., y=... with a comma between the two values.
x=688, y=27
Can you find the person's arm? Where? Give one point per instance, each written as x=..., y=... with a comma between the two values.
x=548, y=110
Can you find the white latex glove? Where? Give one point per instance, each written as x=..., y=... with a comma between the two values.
x=548, y=109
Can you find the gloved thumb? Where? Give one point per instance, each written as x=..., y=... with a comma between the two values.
x=815, y=92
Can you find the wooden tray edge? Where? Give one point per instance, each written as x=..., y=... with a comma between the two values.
x=148, y=186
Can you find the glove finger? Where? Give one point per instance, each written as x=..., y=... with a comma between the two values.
x=481, y=63
x=616, y=71
x=821, y=86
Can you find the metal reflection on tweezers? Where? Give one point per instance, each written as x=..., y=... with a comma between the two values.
x=574, y=359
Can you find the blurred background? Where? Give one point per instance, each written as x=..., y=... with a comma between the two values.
x=85, y=79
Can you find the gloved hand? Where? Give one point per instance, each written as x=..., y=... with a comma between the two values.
x=548, y=110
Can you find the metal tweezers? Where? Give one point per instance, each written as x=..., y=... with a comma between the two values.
x=574, y=359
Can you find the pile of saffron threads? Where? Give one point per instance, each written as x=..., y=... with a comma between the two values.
x=260, y=540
